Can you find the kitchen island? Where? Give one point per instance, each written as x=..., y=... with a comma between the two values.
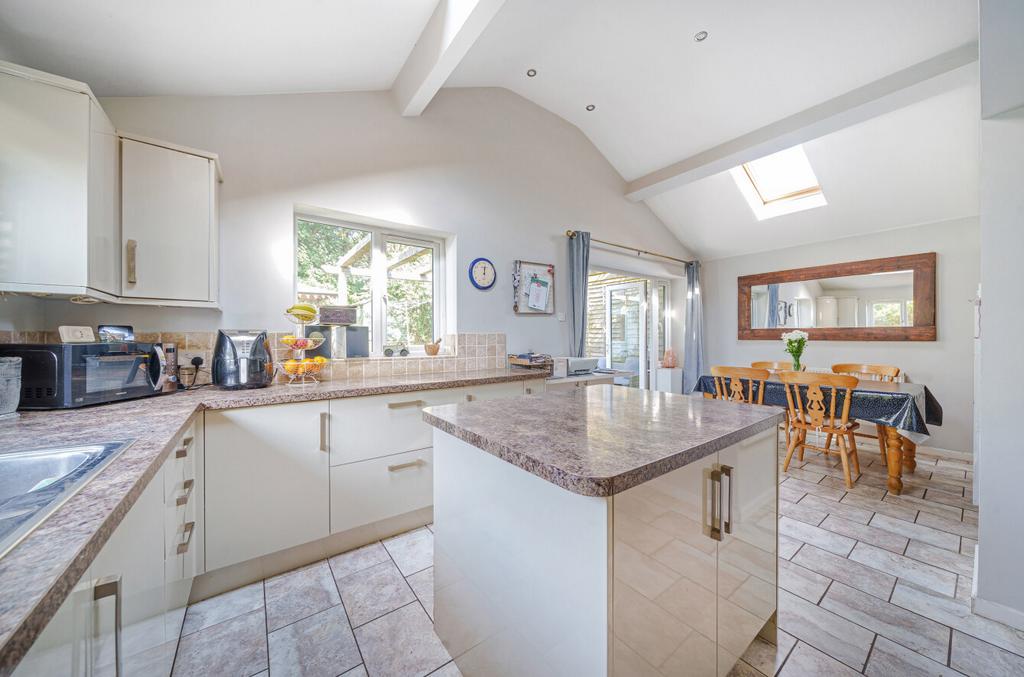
x=604, y=531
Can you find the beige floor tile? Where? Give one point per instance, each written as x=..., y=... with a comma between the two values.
x=955, y=500
x=373, y=592
x=767, y=658
x=357, y=671
x=964, y=585
x=919, y=532
x=889, y=509
x=401, y=643
x=805, y=660
x=860, y=488
x=942, y=558
x=321, y=645
x=924, y=505
x=799, y=511
x=925, y=636
x=805, y=474
x=802, y=582
x=222, y=607
x=235, y=647
x=299, y=593
x=967, y=546
x=788, y=493
x=925, y=575
x=955, y=614
x=959, y=528
x=356, y=560
x=824, y=539
x=848, y=512
x=422, y=584
x=788, y=546
x=412, y=551
x=854, y=574
x=889, y=659
x=975, y=657
x=743, y=669
x=822, y=490
x=862, y=532
x=824, y=630
x=447, y=670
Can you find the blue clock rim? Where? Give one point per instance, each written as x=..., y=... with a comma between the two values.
x=474, y=282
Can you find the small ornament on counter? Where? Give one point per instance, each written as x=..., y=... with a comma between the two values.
x=432, y=348
x=668, y=360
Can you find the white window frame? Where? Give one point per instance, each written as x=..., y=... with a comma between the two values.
x=871, y=310
x=380, y=234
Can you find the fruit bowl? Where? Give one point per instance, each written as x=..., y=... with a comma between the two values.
x=304, y=371
x=302, y=343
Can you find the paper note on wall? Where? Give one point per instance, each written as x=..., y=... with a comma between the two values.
x=537, y=294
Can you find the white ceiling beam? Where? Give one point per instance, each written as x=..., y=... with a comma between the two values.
x=452, y=29
x=917, y=83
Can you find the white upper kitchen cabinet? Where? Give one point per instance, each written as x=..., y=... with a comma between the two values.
x=168, y=222
x=59, y=231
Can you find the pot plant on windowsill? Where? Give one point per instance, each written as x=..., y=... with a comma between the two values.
x=795, y=341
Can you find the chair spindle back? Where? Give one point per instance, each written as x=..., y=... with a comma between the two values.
x=868, y=372
x=808, y=407
x=729, y=384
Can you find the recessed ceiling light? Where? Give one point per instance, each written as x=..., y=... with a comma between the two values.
x=532, y=72
x=700, y=36
x=591, y=107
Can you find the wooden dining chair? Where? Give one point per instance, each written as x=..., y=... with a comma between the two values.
x=814, y=408
x=729, y=384
x=885, y=373
x=775, y=367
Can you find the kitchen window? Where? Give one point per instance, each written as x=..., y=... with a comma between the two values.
x=392, y=278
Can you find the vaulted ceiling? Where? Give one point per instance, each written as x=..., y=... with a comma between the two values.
x=888, y=118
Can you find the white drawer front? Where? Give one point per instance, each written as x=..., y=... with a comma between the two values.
x=494, y=391
x=372, y=490
x=372, y=427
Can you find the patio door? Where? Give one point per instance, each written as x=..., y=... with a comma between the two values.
x=626, y=326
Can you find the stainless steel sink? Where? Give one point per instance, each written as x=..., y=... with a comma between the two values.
x=35, y=483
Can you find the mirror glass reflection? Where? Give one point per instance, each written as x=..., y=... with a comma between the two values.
x=875, y=300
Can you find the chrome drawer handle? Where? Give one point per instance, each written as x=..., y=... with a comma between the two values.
x=407, y=403
x=325, y=419
x=727, y=502
x=187, y=486
x=110, y=586
x=402, y=466
x=716, y=498
x=183, y=546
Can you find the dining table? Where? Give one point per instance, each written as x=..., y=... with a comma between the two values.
x=904, y=410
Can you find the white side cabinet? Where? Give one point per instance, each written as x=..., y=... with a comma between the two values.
x=266, y=480
x=64, y=646
x=168, y=222
x=58, y=187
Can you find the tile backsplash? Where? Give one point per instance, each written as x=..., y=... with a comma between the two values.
x=459, y=353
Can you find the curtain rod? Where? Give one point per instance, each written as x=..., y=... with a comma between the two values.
x=572, y=233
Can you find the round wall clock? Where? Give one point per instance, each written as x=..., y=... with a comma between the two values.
x=481, y=273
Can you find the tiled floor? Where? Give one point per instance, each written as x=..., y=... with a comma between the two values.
x=869, y=583
x=362, y=612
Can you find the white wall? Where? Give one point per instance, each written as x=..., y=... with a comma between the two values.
x=502, y=174
x=1000, y=594
x=945, y=365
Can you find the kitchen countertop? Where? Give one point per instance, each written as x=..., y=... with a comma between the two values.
x=38, y=574
x=601, y=440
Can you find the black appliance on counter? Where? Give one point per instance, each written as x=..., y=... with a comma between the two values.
x=69, y=375
x=242, y=359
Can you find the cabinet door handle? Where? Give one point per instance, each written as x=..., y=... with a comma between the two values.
x=131, y=246
x=405, y=404
x=325, y=420
x=470, y=398
x=727, y=499
x=182, y=451
x=182, y=548
x=402, y=466
x=110, y=586
x=183, y=499
x=529, y=391
x=716, y=497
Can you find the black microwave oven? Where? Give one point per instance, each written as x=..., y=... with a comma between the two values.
x=69, y=375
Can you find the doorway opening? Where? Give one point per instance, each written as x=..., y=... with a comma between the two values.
x=628, y=325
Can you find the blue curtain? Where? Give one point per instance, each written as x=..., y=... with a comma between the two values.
x=579, y=263
x=693, y=344
x=772, y=321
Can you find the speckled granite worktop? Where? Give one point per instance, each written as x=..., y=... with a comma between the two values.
x=37, y=575
x=601, y=440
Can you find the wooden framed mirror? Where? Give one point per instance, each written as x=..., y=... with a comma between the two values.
x=890, y=299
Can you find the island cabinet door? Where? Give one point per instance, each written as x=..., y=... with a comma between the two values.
x=665, y=588
x=267, y=480
x=747, y=568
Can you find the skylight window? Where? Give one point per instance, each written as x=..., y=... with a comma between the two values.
x=780, y=183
